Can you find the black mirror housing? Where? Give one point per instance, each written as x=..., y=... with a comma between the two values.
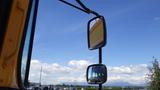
x=96, y=33
x=96, y=74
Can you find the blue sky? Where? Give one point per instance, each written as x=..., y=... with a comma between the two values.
x=133, y=29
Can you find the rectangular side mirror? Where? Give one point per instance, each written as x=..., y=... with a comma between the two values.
x=96, y=74
x=96, y=33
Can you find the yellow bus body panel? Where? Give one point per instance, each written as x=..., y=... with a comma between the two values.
x=11, y=44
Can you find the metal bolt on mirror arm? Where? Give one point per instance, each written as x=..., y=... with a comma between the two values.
x=84, y=8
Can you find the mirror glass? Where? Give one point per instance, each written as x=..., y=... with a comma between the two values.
x=96, y=74
x=96, y=33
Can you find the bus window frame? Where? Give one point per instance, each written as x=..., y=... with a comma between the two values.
x=26, y=83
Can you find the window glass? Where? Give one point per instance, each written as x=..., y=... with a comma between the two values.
x=60, y=46
x=26, y=44
x=60, y=43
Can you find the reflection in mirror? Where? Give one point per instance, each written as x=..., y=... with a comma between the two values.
x=96, y=33
x=96, y=74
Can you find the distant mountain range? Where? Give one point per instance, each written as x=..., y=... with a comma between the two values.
x=121, y=84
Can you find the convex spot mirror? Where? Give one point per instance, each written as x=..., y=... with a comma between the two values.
x=96, y=74
x=96, y=33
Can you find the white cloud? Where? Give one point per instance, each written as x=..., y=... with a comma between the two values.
x=75, y=71
x=80, y=64
x=133, y=74
x=55, y=73
x=131, y=69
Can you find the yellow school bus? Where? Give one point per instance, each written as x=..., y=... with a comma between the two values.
x=17, y=26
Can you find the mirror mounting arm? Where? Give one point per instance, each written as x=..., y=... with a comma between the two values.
x=100, y=62
x=95, y=13
x=100, y=87
x=100, y=55
x=84, y=8
x=87, y=9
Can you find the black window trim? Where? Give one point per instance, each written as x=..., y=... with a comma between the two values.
x=19, y=61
